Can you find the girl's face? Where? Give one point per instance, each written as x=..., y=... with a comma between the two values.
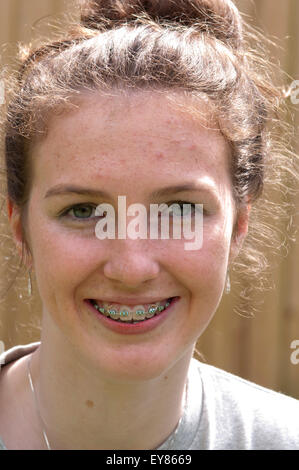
x=144, y=148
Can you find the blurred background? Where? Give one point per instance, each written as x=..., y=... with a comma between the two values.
x=257, y=348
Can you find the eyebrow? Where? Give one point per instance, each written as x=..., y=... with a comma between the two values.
x=182, y=188
x=63, y=190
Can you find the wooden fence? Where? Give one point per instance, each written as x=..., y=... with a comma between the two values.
x=259, y=348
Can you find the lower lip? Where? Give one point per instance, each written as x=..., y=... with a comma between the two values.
x=131, y=328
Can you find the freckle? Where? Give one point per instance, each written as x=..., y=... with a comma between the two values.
x=165, y=377
x=89, y=403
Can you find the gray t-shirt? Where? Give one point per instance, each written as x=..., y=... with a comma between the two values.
x=223, y=412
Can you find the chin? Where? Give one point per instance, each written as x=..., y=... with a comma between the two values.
x=130, y=365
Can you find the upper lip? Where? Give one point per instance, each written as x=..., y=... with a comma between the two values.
x=131, y=300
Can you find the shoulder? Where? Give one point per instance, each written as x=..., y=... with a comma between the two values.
x=214, y=375
x=246, y=415
x=17, y=352
x=13, y=394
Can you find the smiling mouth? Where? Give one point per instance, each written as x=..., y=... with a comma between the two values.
x=136, y=314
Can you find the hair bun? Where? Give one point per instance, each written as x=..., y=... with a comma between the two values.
x=219, y=18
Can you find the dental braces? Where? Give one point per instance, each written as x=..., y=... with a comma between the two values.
x=125, y=313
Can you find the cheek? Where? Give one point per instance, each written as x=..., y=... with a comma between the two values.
x=203, y=271
x=62, y=261
x=211, y=259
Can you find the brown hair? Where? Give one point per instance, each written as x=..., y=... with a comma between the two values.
x=198, y=46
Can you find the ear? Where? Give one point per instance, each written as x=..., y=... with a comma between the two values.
x=14, y=216
x=240, y=231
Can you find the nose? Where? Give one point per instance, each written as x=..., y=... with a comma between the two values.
x=131, y=264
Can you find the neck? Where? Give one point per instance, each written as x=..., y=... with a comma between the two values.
x=83, y=408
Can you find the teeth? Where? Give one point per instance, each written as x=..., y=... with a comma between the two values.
x=138, y=313
x=128, y=314
x=125, y=313
x=152, y=310
x=113, y=313
x=102, y=310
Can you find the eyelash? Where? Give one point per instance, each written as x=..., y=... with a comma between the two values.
x=66, y=212
x=181, y=203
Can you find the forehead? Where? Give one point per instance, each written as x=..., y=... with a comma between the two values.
x=136, y=132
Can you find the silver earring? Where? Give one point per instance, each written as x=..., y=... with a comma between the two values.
x=227, y=286
x=29, y=285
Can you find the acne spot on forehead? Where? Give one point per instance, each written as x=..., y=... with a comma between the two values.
x=159, y=155
x=192, y=147
x=89, y=403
